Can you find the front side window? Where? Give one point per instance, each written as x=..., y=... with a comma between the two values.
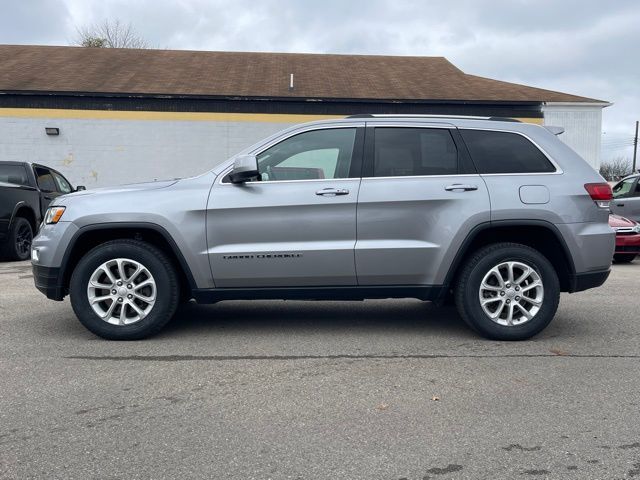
x=504, y=152
x=14, y=174
x=400, y=152
x=310, y=155
x=45, y=180
x=61, y=182
x=625, y=189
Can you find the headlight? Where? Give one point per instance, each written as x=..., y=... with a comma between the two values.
x=637, y=228
x=53, y=215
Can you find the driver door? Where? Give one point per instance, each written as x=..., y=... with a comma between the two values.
x=296, y=224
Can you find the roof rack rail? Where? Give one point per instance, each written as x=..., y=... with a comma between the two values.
x=421, y=115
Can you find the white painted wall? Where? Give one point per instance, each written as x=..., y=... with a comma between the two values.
x=582, y=127
x=97, y=152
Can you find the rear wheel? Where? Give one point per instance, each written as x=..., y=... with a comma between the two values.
x=124, y=290
x=18, y=244
x=507, y=291
x=624, y=257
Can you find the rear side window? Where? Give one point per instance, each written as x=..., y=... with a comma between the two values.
x=503, y=152
x=15, y=174
x=400, y=152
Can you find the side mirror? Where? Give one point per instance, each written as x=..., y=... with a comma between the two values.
x=80, y=188
x=245, y=168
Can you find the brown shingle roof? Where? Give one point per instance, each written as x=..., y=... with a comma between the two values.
x=243, y=74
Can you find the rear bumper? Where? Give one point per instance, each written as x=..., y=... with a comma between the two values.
x=584, y=281
x=47, y=280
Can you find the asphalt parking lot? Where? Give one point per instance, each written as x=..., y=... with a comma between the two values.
x=301, y=390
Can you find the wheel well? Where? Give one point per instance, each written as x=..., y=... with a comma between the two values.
x=541, y=238
x=92, y=238
x=27, y=213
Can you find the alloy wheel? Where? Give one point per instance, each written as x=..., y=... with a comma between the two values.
x=122, y=291
x=511, y=293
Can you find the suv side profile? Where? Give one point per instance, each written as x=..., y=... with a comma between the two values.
x=501, y=216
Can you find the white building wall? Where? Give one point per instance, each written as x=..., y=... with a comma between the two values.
x=99, y=152
x=582, y=127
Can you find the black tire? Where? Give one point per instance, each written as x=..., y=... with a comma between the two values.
x=467, y=291
x=624, y=257
x=18, y=243
x=160, y=268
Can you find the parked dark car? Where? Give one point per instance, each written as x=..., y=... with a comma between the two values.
x=26, y=189
x=626, y=198
x=627, y=238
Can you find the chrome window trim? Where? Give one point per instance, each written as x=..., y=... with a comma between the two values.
x=425, y=176
x=558, y=171
x=257, y=151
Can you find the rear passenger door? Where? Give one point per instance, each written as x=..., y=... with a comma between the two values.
x=419, y=198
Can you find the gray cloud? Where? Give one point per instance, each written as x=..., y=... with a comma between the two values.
x=582, y=47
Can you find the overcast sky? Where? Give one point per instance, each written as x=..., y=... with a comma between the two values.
x=585, y=47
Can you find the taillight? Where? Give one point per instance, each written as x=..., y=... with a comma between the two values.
x=600, y=193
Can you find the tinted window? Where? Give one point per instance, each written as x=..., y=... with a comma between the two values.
x=624, y=188
x=414, y=151
x=310, y=155
x=61, y=182
x=45, y=180
x=15, y=174
x=502, y=152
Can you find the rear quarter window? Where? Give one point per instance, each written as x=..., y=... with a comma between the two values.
x=504, y=152
x=15, y=174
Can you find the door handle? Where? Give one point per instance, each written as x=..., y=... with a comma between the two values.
x=459, y=186
x=332, y=192
x=619, y=204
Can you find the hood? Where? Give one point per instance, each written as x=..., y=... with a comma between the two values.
x=616, y=221
x=132, y=187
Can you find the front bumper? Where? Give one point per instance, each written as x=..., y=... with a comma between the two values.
x=47, y=280
x=584, y=281
x=628, y=243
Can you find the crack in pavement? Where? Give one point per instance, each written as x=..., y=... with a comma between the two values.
x=186, y=358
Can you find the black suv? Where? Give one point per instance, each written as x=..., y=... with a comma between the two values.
x=26, y=189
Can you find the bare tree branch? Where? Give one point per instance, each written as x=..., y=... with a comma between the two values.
x=615, y=169
x=109, y=34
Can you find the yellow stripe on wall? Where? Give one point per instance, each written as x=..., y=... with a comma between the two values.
x=162, y=116
x=175, y=116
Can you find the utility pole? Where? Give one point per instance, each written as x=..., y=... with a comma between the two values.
x=635, y=148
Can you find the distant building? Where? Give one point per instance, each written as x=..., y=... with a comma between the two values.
x=131, y=115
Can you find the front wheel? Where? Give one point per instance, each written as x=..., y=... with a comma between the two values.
x=124, y=290
x=624, y=257
x=18, y=243
x=507, y=291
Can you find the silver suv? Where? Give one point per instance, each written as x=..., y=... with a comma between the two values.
x=498, y=216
